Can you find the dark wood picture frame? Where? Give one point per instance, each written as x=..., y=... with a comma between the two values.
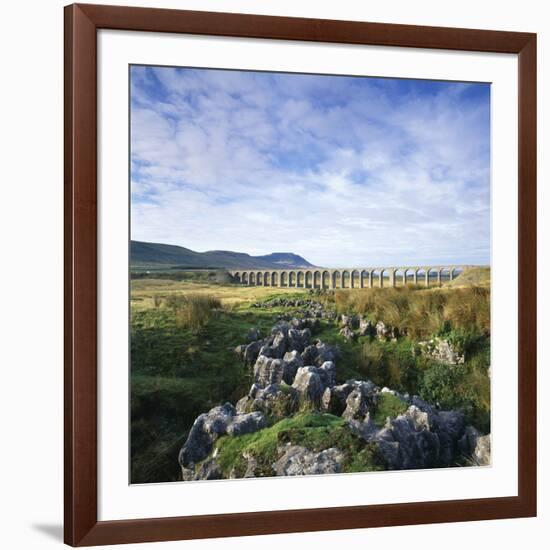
x=82, y=22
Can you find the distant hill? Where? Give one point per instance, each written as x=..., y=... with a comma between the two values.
x=157, y=255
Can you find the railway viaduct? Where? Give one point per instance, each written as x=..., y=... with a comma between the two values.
x=365, y=277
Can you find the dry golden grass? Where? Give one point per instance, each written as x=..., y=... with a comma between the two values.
x=144, y=292
x=422, y=312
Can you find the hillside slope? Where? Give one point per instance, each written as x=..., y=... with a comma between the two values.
x=156, y=255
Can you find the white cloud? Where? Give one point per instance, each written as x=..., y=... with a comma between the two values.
x=342, y=171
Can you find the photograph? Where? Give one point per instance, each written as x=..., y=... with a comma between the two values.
x=310, y=274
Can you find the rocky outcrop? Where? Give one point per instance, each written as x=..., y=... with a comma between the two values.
x=292, y=374
x=208, y=427
x=442, y=351
x=275, y=401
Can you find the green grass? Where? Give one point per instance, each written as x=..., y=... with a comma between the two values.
x=388, y=405
x=313, y=431
x=179, y=370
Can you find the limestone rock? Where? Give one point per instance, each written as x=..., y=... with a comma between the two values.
x=382, y=331
x=292, y=361
x=247, y=423
x=299, y=461
x=482, y=451
x=309, y=385
x=347, y=333
x=298, y=339
x=268, y=370
x=251, y=352
x=205, y=430
x=442, y=351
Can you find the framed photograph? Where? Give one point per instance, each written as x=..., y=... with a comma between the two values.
x=300, y=274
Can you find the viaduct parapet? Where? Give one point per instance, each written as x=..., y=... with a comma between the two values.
x=365, y=277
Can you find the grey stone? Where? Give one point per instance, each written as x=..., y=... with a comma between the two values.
x=347, y=333
x=482, y=451
x=382, y=331
x=292, y=361
x=251, y=352
x=442, y=351
x=273, y=401
x=325, y=352
x=309, y=355
x=268, y=370
x=276, y=345
x=209, y=469
x=327, y=372
x=205, y=430
x=298, y=339
x=299, y=461
x=247, y=423
x=365, y=327
x=308, y=384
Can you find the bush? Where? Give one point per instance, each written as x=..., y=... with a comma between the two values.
x=193, y=310
x=465, y=387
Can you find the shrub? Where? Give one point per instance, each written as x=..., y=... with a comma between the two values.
x=193, y=310
x=388, y=405
x=465, y=387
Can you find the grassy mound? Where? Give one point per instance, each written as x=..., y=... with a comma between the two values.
x=314, y=431
x=388, y=405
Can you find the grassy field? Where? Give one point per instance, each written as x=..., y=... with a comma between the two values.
x=183, y=333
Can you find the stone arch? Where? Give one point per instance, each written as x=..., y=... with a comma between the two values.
x=237, y=277
x=301, y=279
x=345, y=279
x=428, y=276
x=336, y=279
x=317, y=279
x=259, y=278
x=244, y=278
x=309, y=279
x=274, y=278
x=444, y=274
x=355, y=279
x=292, y=278
x=326, y=279
x=400, y=277
x=266, y=278
x=284, y=279
x=365, y=278
x=378, y=277
x=252, y=278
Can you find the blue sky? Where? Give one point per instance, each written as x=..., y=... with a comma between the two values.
x=345, y=171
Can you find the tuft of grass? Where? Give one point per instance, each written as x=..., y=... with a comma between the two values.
x=388, y=405
x=193, y=310
x=262, y=445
